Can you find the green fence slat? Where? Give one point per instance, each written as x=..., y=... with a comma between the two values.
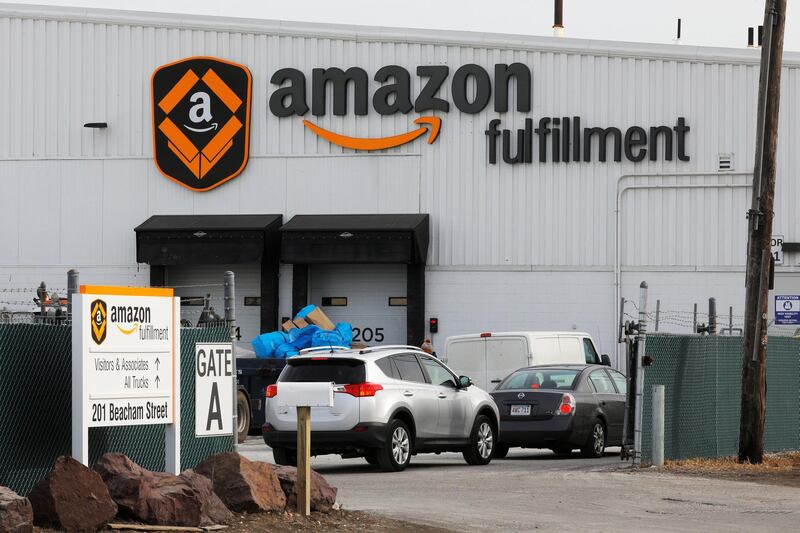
x=702, y=379
x=35, y=392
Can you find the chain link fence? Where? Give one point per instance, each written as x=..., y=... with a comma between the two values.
x=702, y=376
x=36, y=419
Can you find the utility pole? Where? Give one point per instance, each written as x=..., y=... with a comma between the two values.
x=760, y=215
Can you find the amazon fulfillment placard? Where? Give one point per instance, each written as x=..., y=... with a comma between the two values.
x=213, y=379
x=124, y=345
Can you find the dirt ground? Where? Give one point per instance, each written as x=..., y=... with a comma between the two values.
x=341, y=520
x=338, y=520
x=777, y=469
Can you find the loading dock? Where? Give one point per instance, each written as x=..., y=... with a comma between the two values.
x=356, y=261
x=192, y=252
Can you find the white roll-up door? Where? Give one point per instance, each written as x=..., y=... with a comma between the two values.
x=370, y=297
x=196, y=281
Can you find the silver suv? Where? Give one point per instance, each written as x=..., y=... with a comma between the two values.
x=391, y=402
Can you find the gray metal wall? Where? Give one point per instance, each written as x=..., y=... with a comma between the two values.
x=72, y=195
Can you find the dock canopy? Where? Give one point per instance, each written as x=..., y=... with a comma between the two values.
x=320, y=239
x=169, y=240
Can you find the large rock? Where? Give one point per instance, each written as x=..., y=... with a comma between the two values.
x=211, y=504
x=158, y=497
x=244, y=485
x=16, y=513
x=72, y=497
x=323, y=495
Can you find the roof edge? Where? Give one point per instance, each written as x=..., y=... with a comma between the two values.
x=394, y=34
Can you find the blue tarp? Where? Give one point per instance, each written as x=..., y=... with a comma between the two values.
x=279, y=344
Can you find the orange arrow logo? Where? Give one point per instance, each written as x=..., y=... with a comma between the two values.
x=381, y=143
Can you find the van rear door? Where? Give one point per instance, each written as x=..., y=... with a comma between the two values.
x=503, y=356
x=468, y=358
x=571, y=349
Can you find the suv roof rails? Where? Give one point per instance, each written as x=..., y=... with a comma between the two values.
x=323, y=349
x=389, y=347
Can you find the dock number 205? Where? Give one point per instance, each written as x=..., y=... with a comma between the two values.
x=368, y=334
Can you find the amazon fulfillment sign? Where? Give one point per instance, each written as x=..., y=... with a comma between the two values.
x=201, y=116
x=213, y=380
x=125, y=341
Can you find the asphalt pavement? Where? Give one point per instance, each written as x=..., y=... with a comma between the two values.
x=534, y=489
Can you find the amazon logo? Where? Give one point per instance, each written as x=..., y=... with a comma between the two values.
x=201, y=121
x=98, y=318
x=471, y=90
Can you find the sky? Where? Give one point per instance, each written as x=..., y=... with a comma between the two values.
x=704, y=22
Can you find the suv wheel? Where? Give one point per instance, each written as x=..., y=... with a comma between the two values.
x=481, y=442
x=596, y=443
x=395, y=454
x=284, y=456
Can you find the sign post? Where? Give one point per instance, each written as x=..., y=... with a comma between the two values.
x=304, y=396
x=213, y=400
x=124, y=346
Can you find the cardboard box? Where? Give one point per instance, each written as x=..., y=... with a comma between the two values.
x=300, y=323
x=319, y=318
x=288, y=325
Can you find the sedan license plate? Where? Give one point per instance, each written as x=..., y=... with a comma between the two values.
x=520, y=410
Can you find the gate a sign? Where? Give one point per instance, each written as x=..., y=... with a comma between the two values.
x=213, y=380
x=201, y=121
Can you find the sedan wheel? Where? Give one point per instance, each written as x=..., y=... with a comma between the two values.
x=596, y=443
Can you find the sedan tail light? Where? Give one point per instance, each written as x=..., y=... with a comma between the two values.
x=361, y=390
x=567, y=406
x=272, y=390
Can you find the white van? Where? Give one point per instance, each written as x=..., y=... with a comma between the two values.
x=489, y=357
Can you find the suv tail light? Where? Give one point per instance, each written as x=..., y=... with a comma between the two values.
x=272, y=390
x=361, y=390
x=567, y=406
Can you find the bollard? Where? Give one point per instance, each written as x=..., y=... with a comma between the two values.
x=229, y=285
x=712, y=316
x=658, y=425
x=73, y=277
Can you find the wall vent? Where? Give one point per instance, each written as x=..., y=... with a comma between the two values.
x=725, y=162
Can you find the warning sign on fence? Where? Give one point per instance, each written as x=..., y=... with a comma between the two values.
x=787, y=309
x=213, y=389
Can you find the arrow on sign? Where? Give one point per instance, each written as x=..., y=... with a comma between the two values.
x=157, y=361
x=157, y=380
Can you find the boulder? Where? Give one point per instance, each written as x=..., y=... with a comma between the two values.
x=16, y=513
x=160, y=498
x=323, y=495
x=71, y=497
x=212, y=506
x=244, y=485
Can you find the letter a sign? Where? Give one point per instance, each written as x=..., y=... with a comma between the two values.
x=213, y=378
x=201, y=121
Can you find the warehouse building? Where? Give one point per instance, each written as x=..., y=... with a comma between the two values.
x=492, y=182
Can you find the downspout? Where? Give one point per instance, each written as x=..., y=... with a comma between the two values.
x=617, y=230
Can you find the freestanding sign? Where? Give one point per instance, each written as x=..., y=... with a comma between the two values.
x=125, y=342
x=213, y=378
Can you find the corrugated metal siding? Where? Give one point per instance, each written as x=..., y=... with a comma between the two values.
x=59, y=74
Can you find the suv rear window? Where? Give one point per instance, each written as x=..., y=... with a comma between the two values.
x=339, y=371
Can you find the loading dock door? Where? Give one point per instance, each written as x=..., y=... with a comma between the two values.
x=193, y=282
x=370, y=297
